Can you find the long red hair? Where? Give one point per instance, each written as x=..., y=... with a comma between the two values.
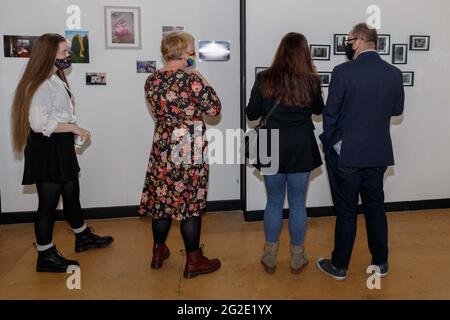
x=291, y=79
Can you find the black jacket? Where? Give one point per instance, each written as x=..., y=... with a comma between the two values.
x=364, y=93
x=298, y=149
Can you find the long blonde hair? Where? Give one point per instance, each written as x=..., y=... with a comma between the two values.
x=38, y=69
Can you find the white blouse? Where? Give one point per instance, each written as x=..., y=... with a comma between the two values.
x=50, y=105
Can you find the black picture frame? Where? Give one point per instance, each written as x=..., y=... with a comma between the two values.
x=412, y=46
x=338, y=49
x=388, y=45
x=405, y=53
x=323, y=46
x=324, y=73
x=259, y=69
x=411, y=84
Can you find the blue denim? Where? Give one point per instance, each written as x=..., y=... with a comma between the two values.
x=297, y=185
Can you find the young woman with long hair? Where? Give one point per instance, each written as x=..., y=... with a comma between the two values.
x=43, y=126
x=292, y=81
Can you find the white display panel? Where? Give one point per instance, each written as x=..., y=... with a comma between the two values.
x=421, y=137
x=114, y=166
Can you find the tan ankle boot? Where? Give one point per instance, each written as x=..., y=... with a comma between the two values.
x=269, y=257
x=298, y=259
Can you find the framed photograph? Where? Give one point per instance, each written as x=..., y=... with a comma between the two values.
x=320, y=52
x=399, y=54
x=169, y=29
x=325, y=78
x=259, y=69
x=408, y=78
x=216, y=51
x=419, y=43
x=96, y=78
x=339, y=43
x=384, y=44
x=78, y=42
x=145, y=66
x=18, y=46
x=123, y=27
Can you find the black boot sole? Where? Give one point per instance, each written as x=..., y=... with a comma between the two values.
x=190, y=275
x=97, y=246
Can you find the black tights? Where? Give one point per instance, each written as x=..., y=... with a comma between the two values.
x=190, y=230
x=49, y=194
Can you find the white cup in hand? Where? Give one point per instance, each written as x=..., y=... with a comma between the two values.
x=78, y=141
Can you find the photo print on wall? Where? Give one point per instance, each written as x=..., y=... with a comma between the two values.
x=78, y=42
x=419, y=43
x=215, y=51
x=169, y=29
x=123, y=27
x=95, y=78
x=320, y=51
x=18, y=46
x=145, y=66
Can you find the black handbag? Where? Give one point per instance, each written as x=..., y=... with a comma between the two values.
x=251, y=142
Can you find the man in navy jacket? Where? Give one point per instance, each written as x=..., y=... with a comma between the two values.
x=364, y=94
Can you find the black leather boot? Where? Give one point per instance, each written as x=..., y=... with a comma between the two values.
x=87, y=239
x=51, y=260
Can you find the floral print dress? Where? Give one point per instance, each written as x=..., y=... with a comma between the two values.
x=177, y=174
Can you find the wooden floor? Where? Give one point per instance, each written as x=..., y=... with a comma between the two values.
x=419, y=262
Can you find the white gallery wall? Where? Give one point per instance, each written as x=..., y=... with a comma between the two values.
x=114, y=165
x=421, y=138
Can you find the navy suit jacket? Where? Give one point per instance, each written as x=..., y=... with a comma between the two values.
x=363, y=96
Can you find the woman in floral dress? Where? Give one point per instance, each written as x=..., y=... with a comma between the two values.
x=177, y=175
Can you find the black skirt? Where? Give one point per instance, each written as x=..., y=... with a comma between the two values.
x=50, y=159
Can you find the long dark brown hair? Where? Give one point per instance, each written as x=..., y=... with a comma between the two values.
x=38, y=69
x=291, y=79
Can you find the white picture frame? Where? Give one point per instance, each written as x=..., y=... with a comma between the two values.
x=122, y=27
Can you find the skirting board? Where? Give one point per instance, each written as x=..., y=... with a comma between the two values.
x=315, y=212
x=110, y=212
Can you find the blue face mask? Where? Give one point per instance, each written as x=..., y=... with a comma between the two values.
x=191, y=60
x=63, y=64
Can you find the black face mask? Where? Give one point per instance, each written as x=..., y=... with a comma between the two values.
x=349, y=51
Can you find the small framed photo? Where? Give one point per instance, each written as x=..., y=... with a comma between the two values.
x=325, y=78
x=419, y=43
x=384, y=44
x=339, y=43
x=96, y=78
x=408, y=78
x=259, y=69
x=145, y=66
x=320, y=52
x=399, y=54
x=123, y=27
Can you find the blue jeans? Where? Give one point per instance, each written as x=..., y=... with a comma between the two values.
x=297, y=185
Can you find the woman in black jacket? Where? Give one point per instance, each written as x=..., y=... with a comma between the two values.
x=292, y=81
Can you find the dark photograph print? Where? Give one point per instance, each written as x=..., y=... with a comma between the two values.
x=339, y=43
x=320, y=52
x=325, y=78
x=384, y=44
x=18, y=46
x=419, y=43
x=408, y=78
x=96, y=78
x=399, y=54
